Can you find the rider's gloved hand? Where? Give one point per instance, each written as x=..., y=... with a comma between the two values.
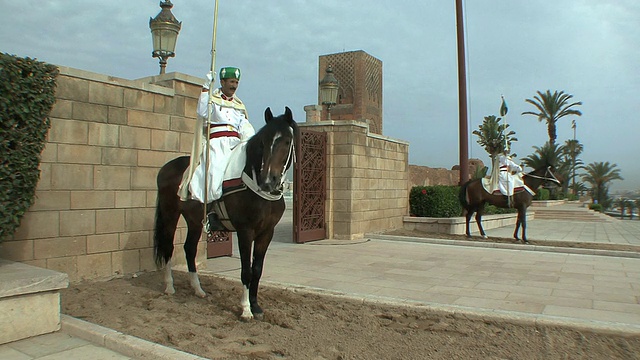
x=209, y=78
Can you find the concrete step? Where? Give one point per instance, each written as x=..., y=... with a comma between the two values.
x=577, y=214
x=29, y=300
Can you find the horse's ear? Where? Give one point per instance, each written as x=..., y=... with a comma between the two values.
x=289, y=115
x=268, y=116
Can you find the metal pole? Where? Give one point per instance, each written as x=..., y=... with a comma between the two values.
x=573, y=153
x=462, y=97
x=209, y=108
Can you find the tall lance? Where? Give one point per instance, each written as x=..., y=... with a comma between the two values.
x=205, y=219
x=503, y=113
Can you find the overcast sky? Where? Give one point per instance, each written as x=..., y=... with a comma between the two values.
x=587, y=48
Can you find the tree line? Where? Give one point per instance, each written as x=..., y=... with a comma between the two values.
x=593, y=179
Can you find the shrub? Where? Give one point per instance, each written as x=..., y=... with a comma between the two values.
x=596, y=207
x=542, y=194
x=435, y=201
x=494, y=210
x=27, y=87
x=572, y=197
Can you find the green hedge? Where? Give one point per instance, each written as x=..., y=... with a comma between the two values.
x=27, y=87
x=442, y=201
x=435, y=201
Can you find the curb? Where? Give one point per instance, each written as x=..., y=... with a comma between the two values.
x=522, y=247
x=124, y=344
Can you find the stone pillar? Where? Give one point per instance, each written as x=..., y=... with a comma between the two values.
x=314, y=113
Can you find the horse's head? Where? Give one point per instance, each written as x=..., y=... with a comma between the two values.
x=270, y=152
x=552, y=176
x=546, y=174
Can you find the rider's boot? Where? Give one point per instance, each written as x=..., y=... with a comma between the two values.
x=214, y=223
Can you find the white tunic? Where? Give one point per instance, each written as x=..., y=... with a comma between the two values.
x=228, y=126
x=507, y=181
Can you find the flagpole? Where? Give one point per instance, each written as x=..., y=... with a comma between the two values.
x=209, y=108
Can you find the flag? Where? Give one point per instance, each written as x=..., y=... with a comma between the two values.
x=503, y=107
x=573, y=124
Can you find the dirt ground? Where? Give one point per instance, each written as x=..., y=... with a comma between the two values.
x=299, y=325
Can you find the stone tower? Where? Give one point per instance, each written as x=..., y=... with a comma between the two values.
x=360, y=87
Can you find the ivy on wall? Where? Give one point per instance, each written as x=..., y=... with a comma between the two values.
x=27, y=94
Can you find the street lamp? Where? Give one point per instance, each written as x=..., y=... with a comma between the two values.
x=329, y=90
x=164, y=31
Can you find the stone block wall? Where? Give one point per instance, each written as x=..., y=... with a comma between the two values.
x=94, y=211
x=427, y=176
x=367, y=179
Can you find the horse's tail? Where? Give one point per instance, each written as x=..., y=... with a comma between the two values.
x=161, y=248
x=462, y=195
x=167, y=209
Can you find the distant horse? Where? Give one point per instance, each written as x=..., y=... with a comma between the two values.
x=473, y=196
x=252, y=213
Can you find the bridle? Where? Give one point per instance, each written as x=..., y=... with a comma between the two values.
x=252, y=181
x=548, y=176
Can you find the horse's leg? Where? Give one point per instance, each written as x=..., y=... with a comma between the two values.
x=479, y=221
x=518, y=224
x=245, y=239
x=261, y=244
x=468, y=216
x=191, y=250
x=168, y=279
x=523, y=222
x=166, y=221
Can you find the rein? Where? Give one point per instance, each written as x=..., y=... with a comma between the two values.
x=552, y=178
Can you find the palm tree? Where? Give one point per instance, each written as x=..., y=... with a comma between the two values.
x=599, y=175
x=492, y=137
x=579, y=188
x=550, y=154
x=631, y=205
x=551, y=108
x=622, y=204
x=573, y=148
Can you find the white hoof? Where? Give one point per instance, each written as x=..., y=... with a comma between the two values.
x=169, y=290
x=485, y=237
x=195, y=284
x=200, y=293
x=246, y=315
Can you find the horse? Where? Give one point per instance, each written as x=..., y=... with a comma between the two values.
x=253, y=214
x=473, y=196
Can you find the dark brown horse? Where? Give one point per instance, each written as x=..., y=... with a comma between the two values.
x=473, y=196
x=253, y=214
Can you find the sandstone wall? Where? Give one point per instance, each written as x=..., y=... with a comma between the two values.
x=93, y=215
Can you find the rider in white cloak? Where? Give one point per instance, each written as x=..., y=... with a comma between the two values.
x=506, y=177
x=227, y=126
x=510, y=175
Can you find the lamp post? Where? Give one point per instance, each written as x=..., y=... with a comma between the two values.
x=164, y=31
x=329, y=90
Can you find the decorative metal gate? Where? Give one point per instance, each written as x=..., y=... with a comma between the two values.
x=310, y=186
